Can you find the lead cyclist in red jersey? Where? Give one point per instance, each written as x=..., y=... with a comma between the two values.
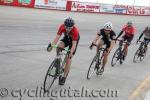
x=129, y=31
x=71, y=39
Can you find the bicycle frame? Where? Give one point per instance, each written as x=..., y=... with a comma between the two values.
x=98, y=55
x=120, y=49
x=118, y=55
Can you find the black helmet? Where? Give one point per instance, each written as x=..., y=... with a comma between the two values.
x=69, y=22
x=147, y=28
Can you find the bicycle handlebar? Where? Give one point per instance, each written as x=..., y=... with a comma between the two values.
x=121, y=40
x=97, y=46
x=94, y=45
x=65, y=49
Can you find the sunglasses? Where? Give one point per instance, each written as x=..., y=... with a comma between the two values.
x=68, y=28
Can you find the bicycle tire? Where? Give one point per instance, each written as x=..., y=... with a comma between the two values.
x=47, y=75
x=115, y=56
x=142, y=57
x=94, y=60
x=136, y=54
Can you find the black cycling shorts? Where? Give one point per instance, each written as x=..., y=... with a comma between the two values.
x=146, y=41
x=128, y=39
x=106, y=42
x=68, y=42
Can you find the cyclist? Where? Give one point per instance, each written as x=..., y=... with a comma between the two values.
x=106, y=36
x=71, y=39
x=146, y=34
x=129, y=31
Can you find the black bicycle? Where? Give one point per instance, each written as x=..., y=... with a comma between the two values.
x=56, y=68
x=118, y=55
x=96, y=62
x=141, y=52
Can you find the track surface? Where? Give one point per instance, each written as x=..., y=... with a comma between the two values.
x=24, y=35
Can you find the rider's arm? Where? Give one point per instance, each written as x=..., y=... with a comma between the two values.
x=96, y=38
x=59, y=33
x=56, y=39
x=74, y=43
x=140, y=36
x=120, y=34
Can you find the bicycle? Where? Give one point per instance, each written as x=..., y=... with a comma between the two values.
x=56, y=68
x=97, y=60
x=118, y=55
x=140, y=53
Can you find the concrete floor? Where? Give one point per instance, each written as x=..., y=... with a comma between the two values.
x=25, y=34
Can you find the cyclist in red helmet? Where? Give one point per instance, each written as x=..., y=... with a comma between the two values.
x=71, y=39
x=129, y=31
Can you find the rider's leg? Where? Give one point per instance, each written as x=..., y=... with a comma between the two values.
x=100, y=44
x=64, y=43
x=124, y=38
x=61, y=45
x=68, y=62
x=125, y=50
x=67, y=67
x=105, y=59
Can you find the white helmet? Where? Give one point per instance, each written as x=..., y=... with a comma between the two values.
x=108, y=26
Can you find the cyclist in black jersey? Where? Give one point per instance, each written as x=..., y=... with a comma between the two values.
x=146, y=34
x=106, y=36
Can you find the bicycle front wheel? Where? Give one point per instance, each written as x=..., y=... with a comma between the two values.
x=136, y=56
x=92, y=67
x=142, y=56
x=115, y=58
x=50, y=76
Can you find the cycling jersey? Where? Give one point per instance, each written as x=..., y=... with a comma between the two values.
x=74, y=33
x=108, y=37
x=129, y=31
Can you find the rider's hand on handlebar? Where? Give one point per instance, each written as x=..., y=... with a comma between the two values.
x=49, y=48
x=116, y=39
x=91, y=46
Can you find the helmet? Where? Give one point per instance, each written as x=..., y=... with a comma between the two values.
x=129, y=23
x=108, y=26
x=147, y=28
x=69, y=22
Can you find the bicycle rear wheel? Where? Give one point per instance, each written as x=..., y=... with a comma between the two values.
x=93, y=67
x=115, y=58
x=50, y=76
